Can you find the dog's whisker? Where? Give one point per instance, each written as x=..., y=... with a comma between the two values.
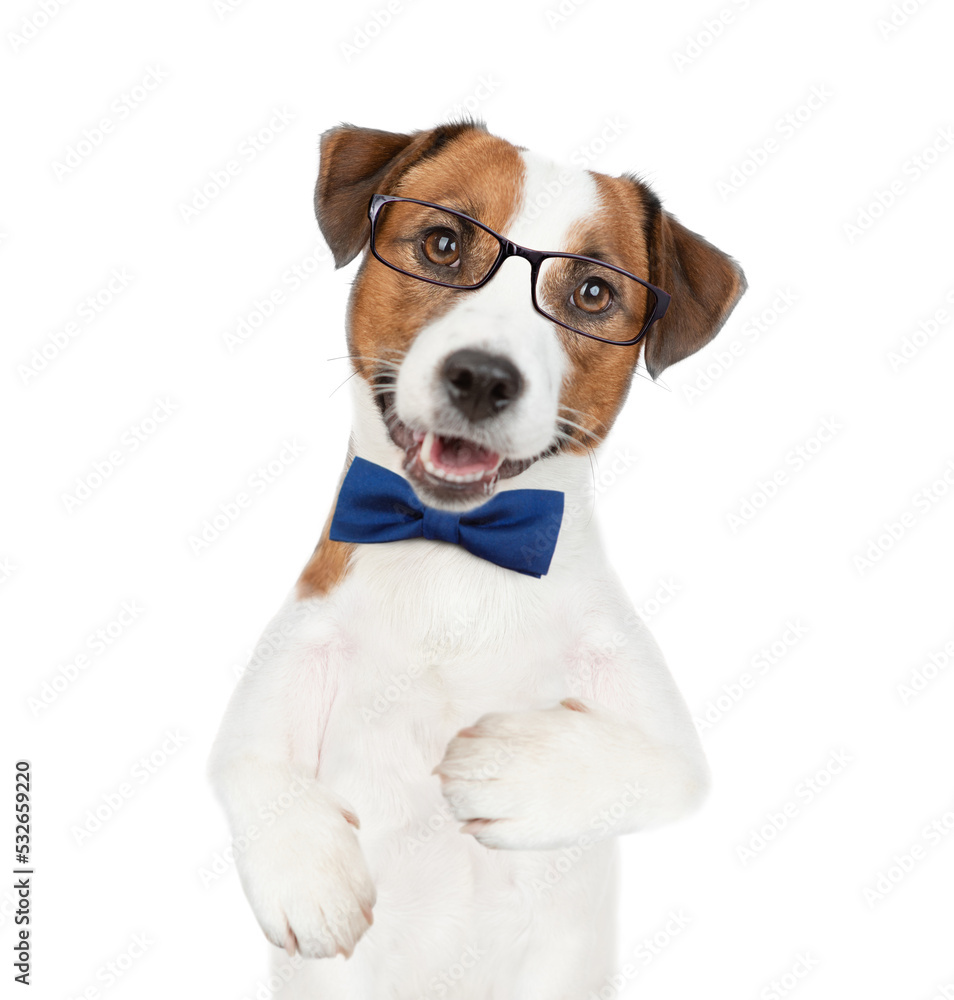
x=389, y=364
x=578, y=425
x=581, y=414
x=572, y=409
x=583, y=430
x=643, y=372
x=340, y=384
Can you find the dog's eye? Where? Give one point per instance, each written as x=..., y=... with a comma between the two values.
x=592, y=296
x=440, y=247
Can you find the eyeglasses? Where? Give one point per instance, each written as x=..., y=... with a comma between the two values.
x=445, y=247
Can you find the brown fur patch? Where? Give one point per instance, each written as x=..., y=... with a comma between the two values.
x=574, y=705
x=705, y=284
x=356, y=163
x=330, y=561
x=387, y=308
x=600, y=374
x=327, y=567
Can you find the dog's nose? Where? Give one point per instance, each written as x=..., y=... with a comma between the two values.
x=479, y=384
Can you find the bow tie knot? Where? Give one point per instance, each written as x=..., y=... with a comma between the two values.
x=516, y=529
x=441, y=525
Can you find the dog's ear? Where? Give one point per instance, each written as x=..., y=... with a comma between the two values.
x=357, y=162
x=704, y=283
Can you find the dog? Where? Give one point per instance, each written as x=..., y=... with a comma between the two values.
x=426, y=778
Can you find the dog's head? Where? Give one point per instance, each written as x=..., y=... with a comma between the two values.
x=475, y=385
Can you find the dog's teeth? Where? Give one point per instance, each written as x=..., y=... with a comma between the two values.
x=427, y=447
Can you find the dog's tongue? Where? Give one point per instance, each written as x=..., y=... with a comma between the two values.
x=460, y=456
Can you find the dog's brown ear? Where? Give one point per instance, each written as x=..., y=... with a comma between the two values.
x=704, y=283
x=357, y=162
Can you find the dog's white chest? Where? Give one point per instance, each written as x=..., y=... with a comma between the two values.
x=424, y=660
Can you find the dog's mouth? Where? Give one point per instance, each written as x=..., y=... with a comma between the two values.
x=449, y=468
x=455, y=460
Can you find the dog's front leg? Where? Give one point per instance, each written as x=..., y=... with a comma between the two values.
x=296, y=850
x=620, y=754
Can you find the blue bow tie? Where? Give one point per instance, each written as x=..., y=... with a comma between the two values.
x=516, y=529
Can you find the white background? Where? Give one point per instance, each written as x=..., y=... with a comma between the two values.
x=698, y=110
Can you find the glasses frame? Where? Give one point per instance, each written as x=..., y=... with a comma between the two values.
x=510, y=249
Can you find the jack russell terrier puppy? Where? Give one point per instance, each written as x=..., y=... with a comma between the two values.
x=426, y=779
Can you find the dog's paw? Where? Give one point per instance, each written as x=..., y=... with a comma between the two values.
x=528, y=780
x=307, y=881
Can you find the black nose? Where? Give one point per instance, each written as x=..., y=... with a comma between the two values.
x=480, y=384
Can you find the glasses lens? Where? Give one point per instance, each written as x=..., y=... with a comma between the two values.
x=592, y=299
x=435, y=245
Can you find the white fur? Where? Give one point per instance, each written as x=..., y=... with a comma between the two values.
x=362, y=702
